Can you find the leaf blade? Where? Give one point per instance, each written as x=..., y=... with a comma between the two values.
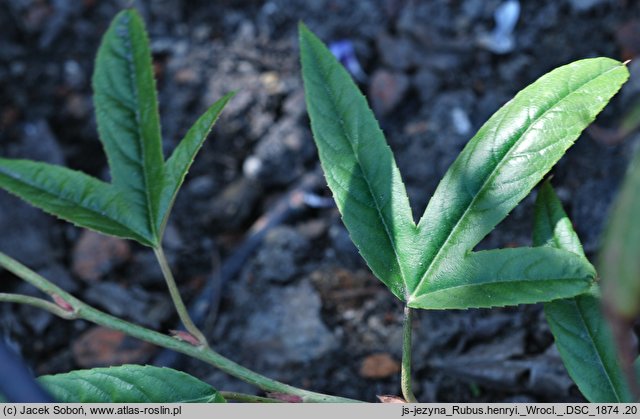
x=178, y=164
x=74, y=197
x=129, y=384
x=505, y=277
x=358, y=164
x=618, y=259
x=127, y=113
x=494, y=171
x=581, y=333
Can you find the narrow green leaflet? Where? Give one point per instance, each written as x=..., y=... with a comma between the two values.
x=75, y=197
x=508, y=156
x=129, y=384
x=619, y=260
x=504, y=277
x=127, y=113
x=358, y=164
x=180, y=161
x=581, y=333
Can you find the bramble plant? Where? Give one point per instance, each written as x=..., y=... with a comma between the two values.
x=428, y=265
x=134, y=205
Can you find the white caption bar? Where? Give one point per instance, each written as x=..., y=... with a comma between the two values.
x=320, y=411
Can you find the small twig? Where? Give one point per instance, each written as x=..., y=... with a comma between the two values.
x=39, y=303
x=405, y=374
x=205, y=354
x=246, y=398
x=182, y=310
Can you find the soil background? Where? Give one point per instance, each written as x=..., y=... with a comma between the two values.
x=295, y=301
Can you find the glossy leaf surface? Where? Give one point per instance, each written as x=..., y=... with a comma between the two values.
x=129, y=384
x=505, y=277
x=127, y=113
x=358, y=164
x=582, y=335
x=431, y=265
x=508, y=156
x=75, y=197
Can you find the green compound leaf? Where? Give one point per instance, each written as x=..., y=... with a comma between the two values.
x=619, y=260
x=432, y=265
x=358, y=164
x=127, y=113
x=581, y=332
x=74, y=197
x=137, y=202
x=178, y=164
x=129, y=384
x=508, y=156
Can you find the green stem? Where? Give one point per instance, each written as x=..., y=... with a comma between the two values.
x=37, y=302
x=86, y=312
x=405, y=374
x=246, y=398
x=182, y=310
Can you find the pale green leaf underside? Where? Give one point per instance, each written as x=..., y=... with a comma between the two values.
x=504, y=277
x=129, y=384
x=508, y=156
x=358, y=165
x=619, y=260
x=74, y=197
x=581, y=333
x=431, y=265
x=178, y=164
x=127, y=113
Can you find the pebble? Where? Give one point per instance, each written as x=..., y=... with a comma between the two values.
x=39, y=143
x=460, y=121
x=231, y=209
x=279, y=156
x=396, y=52
x=426, y=84
x=102, y=347
x=289, y=329
x=378, y=366
x=387, y=90
x=25, y=232
x=95, y=255
x=280, y=257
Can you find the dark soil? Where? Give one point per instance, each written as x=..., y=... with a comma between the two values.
x=302, y=307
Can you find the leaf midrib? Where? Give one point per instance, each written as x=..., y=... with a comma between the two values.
x=596, y=348
x=509, y=281
x=324, y=75
x=150, y=220
x=493, y=173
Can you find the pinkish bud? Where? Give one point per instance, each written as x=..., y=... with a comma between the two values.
x=288, y=398
x=62, y=302
x=185, y=337
x=390, y=399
